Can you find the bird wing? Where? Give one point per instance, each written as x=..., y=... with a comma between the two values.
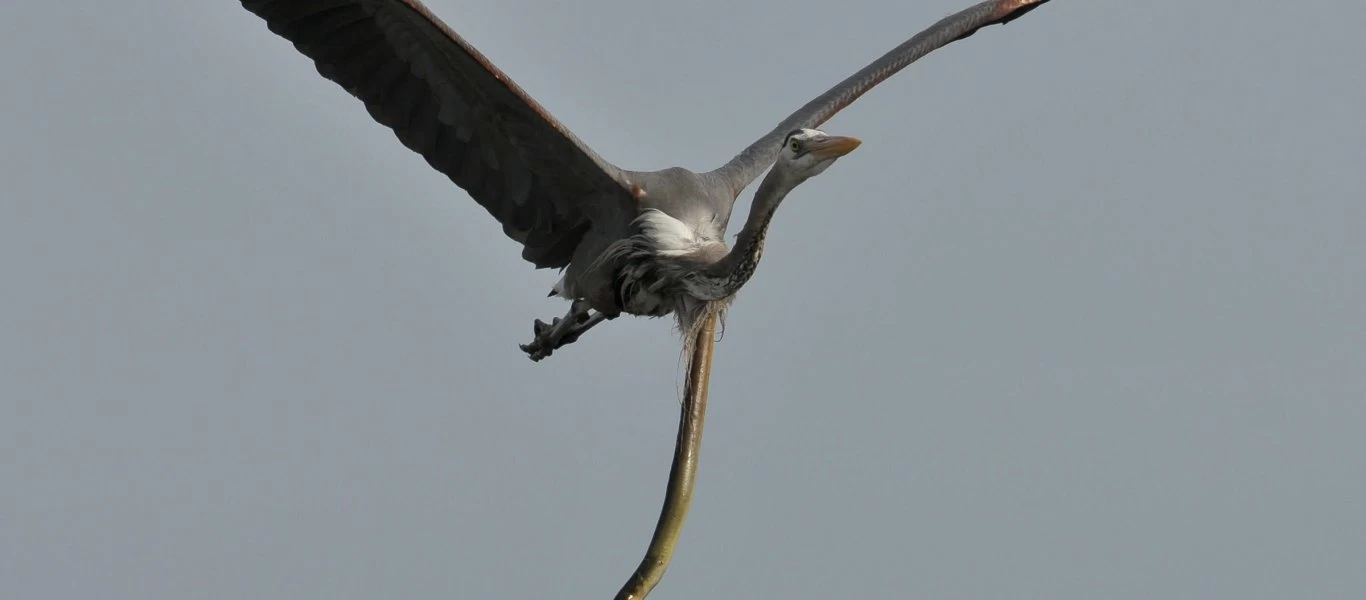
x=746, y=166
x=447, y=102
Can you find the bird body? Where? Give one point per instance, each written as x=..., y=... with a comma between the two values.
x=644, y=284
x=683, y=219
x=669, y=265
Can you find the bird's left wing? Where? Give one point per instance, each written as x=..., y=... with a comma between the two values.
x=447, y=102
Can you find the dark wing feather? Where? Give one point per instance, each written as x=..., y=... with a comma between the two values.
x=447, y=102
x=746, y=166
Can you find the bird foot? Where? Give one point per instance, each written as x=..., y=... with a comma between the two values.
x=560, y=331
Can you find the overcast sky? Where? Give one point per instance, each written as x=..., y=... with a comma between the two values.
x=1084, y=317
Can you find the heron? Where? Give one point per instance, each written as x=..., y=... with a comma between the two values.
x=645, y=243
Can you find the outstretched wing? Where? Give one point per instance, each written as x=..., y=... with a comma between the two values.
x=447, y=102
x=746, y=166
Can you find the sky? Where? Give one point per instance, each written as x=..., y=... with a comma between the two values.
x=1084, y=316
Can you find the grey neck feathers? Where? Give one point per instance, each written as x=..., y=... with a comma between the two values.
x=726, y=276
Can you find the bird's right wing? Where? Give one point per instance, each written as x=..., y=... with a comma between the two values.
x=746, y=166
x=447, y=102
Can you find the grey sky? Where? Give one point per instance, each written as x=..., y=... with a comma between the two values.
x=1082, y=318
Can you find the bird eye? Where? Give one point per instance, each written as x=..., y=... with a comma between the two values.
x=796, y=146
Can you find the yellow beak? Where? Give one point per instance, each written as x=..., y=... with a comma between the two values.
x=834, y=146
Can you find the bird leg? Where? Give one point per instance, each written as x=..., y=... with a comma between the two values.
x=557, y=333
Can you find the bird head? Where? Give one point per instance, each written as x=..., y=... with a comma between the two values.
x=808, y=152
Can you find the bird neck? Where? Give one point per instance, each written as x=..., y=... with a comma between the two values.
x=726, y=276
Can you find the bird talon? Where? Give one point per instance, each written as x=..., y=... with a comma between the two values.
x=535, y=350
x=560, y=331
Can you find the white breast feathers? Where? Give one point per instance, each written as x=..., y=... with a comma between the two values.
x=666, y=235
x=650, y=264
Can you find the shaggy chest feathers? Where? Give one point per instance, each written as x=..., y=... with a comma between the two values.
x=657, y=266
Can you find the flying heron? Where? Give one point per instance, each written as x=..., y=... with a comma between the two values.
x=646, y=243
x=637, y=242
